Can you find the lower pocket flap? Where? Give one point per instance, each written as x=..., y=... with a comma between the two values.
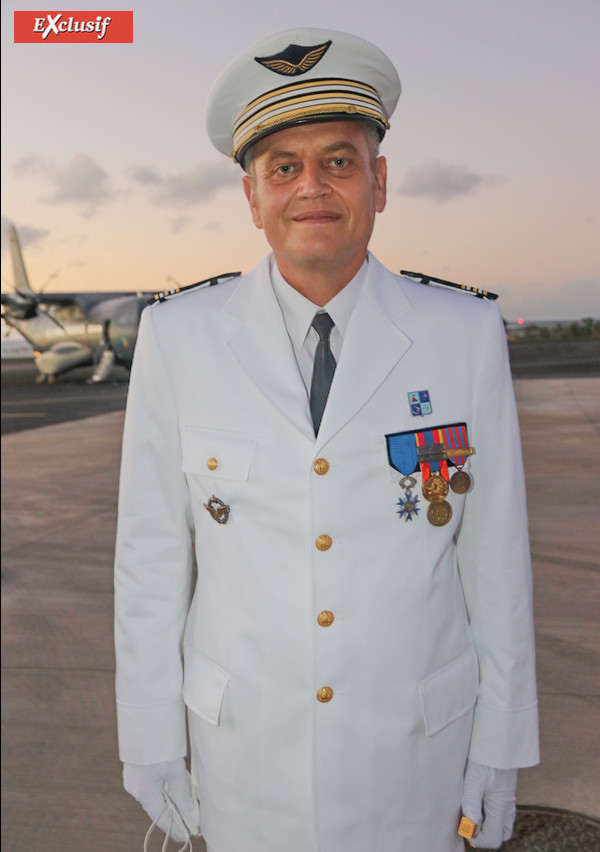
x=204, y=685
x=450, y=692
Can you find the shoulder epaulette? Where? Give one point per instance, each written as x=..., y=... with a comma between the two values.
x=428, y=279
x=164, y=295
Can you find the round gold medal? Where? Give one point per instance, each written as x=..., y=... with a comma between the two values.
x=460, y=482
x=439, y=513
x=435, y=488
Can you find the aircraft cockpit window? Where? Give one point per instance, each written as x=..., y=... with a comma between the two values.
x=65, y=313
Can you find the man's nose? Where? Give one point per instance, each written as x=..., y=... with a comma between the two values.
x=313, y=182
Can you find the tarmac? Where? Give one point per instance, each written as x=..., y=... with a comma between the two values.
x=61, y=779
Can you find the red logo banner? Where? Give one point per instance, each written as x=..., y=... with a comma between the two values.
x=74, y=27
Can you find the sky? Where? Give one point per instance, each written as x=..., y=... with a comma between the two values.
x=493, y=151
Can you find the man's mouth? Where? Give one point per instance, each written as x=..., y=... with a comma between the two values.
x=317, y=216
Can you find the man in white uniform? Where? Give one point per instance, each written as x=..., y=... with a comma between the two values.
x=322, y=571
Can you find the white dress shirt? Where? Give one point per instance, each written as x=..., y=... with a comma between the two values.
x=299, y=312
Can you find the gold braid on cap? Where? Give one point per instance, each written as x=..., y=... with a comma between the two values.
x=299, y=102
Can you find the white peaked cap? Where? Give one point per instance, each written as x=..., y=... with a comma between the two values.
x=296, y=77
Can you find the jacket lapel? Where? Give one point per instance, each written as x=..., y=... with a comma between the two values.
x=373, y=345
x=263, y=350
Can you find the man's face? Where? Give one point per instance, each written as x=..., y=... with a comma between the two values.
x=315, y=192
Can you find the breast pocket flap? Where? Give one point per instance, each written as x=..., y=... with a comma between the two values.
x=203, y=685
x=450, y=692
x=218, y=454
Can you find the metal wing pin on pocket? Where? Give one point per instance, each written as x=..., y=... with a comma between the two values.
x=218, y=509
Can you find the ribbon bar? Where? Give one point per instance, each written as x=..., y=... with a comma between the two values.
x=455, y=438
x=430, y=449
x=438, y=452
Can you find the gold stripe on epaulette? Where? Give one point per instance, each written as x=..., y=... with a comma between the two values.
x=164, y=295
x=473, y=291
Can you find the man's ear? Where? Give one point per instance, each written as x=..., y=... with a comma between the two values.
x=380, y=183
x=250, y=194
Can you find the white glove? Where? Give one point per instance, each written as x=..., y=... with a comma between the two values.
x=166, y=793
x=490, y=795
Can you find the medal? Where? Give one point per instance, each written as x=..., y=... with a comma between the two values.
x=460, y=482
x=439, y=513
x=408, y=505
x=435, y=488
x=455, y=438
x=435, y=476
x=431, y=451
x=402, y=455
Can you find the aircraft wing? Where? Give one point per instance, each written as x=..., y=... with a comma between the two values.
x=87, y=300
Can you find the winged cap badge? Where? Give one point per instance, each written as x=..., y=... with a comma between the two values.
x=295, y=59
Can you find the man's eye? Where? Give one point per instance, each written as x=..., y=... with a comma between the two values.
x=286, y=169
x=339, y=162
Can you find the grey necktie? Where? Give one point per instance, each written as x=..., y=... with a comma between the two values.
x=323, y=369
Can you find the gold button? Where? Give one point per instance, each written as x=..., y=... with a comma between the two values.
x=320, y=466
x=324, y=542
x=325, y=618
x=324, y=694
x=212, y=464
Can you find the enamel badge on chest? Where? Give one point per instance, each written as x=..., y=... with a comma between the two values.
x=420, y=403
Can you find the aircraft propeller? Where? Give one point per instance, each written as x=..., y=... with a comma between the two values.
x=26, y=305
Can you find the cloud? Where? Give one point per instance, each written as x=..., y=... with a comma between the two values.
x=179, y=223
x=146, y=176
x=28, y=166
x=442, y=182
x=185, y=189
x=82, y=181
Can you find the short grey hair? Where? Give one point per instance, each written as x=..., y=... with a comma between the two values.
x=373, y=140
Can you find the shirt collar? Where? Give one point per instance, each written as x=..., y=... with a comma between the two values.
x=298, y=311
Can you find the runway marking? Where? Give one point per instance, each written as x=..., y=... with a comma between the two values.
x=58, y=399
x=23, y=414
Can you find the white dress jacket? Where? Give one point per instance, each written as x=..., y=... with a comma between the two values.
x=430, y=656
